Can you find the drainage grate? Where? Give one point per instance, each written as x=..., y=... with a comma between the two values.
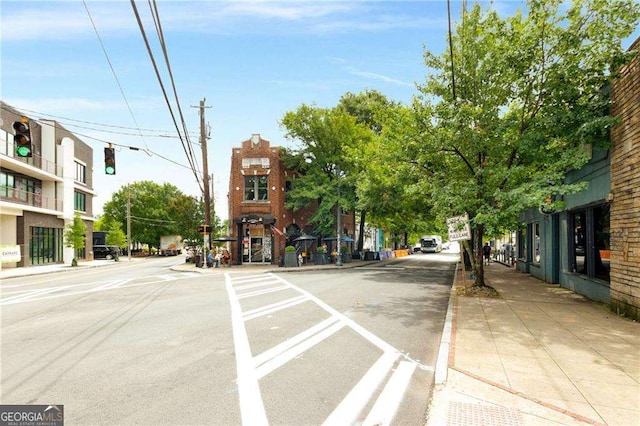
x=468, y=414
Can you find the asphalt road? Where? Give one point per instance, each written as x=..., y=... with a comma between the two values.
x=141, y=344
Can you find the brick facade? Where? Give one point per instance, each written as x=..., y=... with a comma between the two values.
x=255, y=214
x=625, y=187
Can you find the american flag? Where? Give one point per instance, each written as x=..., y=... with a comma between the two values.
x=277, y=231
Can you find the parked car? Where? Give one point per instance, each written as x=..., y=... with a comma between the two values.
x=103, y=252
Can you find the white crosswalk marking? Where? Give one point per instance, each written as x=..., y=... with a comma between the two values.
x=252, y=369
x=30, y=295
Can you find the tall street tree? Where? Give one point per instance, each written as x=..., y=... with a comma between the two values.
x=321, y=161
x=508, y=108
x=155, y=210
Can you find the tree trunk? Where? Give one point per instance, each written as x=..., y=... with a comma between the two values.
x=361, y=233
x=478, y=268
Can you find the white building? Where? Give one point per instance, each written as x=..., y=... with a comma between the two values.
x=40, y=195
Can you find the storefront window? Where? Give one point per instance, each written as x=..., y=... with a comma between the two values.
x=589, y=234
x=45, y=245
x=536, y=242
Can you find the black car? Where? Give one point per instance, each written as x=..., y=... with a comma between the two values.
x=103, y=252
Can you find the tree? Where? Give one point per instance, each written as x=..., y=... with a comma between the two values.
x=321, y=162
x=155, y=210
x=115, y=235
x=75, y=236
x=367, y=107
x=507, y=113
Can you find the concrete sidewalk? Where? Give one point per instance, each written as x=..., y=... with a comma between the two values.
x=537, y=355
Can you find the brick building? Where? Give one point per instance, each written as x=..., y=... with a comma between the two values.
x=259, y=221
x=625, y=189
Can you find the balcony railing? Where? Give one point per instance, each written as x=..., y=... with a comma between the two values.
x=18, y=196
x=7, y=148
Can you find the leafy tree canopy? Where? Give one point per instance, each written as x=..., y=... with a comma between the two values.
x=504, y=117
x=155, y=210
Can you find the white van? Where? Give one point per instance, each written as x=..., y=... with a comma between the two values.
x=431, y=244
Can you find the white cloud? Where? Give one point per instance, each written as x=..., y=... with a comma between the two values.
x=379, y=77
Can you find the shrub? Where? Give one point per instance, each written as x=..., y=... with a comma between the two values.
x=289, y=248
x=344, y=249
x=319, y=250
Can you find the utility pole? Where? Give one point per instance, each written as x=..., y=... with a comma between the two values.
x=205, y=169
x=213, y=203
x=338, y=224
x=129, y=245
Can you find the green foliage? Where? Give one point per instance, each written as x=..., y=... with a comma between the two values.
x=322, y=162
x=156, y=210
x=75, y=235
x=289, y=248
x=320, y=250
x=528, y=95
x=116, y=236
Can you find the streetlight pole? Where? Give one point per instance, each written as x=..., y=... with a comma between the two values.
x=338, y=224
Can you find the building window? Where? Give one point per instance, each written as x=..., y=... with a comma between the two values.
x=257, y=162
x=256, y=188
x=81, y=173
x=80, y=201
x=522, y=244
x=45, y=245
x=7, y=183
x=535, y=234
x=589, y=249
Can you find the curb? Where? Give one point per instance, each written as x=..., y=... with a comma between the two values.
x=442, y=362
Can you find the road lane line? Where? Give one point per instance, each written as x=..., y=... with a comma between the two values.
x=387, y=404
x=289, y=343
x=290, y=354
x=251, y=405
x=346, y=413
x=275, y=307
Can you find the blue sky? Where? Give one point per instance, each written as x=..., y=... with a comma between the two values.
x=252, y=60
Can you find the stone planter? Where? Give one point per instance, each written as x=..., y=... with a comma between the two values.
x=320, y=259
x=290, y=259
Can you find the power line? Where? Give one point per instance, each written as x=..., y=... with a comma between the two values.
x=94, y=122
x=164, y=92
x=113, y=71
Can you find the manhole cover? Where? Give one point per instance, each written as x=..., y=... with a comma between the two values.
x=468, y=414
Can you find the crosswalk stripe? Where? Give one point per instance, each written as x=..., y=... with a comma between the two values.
x=348, y=410
x=293, y=352
x=289, y=343
x=274, y=307
x=261, y=292
x=387, y=404
x=30, y=295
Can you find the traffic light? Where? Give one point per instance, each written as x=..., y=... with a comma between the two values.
x=22, y=138
x=110, y=161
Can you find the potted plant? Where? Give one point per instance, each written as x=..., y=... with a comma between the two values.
x=346, y=256
x=320, y=258
x=290, y=256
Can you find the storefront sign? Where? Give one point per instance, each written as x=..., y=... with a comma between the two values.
x=10, y=254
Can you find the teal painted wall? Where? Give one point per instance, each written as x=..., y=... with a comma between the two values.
x=554, y=233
